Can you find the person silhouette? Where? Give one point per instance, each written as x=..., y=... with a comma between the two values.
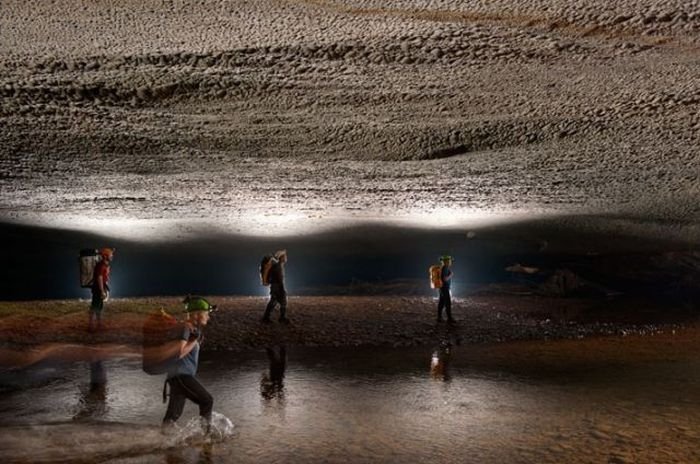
x=445, y=295
x=278, y=291
x=100, y=288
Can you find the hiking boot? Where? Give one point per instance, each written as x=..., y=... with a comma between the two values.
x=266, y=320
x=439, y=320
x=284, y=320
x=451, y=321
x=205, y=423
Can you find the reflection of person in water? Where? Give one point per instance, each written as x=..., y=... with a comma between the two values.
x=272, y=384
x=93, y=400
x=439, y=363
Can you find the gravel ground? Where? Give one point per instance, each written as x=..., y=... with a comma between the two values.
x=305, y=114
x=352, y=321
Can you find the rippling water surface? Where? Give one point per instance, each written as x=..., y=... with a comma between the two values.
x=439, y=405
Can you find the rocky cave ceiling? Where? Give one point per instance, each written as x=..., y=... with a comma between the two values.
x=276, y=117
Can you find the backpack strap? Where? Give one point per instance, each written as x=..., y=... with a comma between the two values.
x=165, y=390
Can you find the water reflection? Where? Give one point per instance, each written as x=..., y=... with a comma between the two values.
x=272, y=382
x=473, y=404
x=440, y=361
x=93, y=398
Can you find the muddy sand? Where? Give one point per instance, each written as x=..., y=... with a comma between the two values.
x=324, y=321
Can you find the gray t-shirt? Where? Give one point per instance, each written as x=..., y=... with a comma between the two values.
x=188, y=364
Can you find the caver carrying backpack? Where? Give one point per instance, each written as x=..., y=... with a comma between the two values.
x=161, y=342
x=88, y=260
x=265, y=265
x=435, y=272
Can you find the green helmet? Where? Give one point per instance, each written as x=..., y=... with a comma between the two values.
x=444, y=258
x=197, y=303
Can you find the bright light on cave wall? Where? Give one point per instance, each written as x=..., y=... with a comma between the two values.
x=283, y=222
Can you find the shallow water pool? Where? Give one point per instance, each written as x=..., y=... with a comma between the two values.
x=442, y=404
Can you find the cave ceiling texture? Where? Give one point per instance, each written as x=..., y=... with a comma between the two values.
x=158, y=119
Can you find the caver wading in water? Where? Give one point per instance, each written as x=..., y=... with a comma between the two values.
x=181, y=375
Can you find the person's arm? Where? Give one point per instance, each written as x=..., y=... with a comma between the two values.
x=101, y=285
x=186, y=347
x=187, y=342
x=105, y=280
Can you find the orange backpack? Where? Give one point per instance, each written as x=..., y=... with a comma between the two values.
x=161, y=333
x=435, y=272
